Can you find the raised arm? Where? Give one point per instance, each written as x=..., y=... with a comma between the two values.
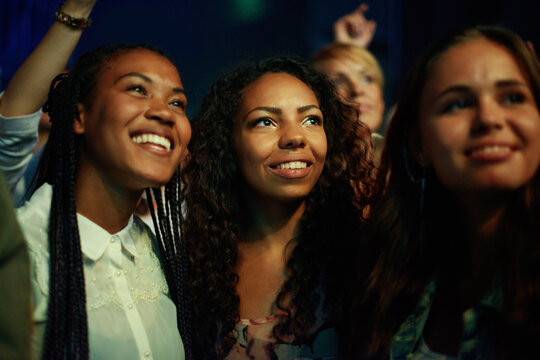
x=28, y=89
x=27, y=92
x=354, y=28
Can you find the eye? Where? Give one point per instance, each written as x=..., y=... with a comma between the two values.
x=340, y=82
x=312, y=120
x=263, y=122
x=137, y=89
x=182, y=104
x=367, y=79
x=514, y=98
x=456, y=105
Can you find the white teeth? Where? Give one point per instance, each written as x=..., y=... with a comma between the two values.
x=292, y=165
x=491, y=149
x=152, y=139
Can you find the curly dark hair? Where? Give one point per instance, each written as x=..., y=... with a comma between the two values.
x=66, y=334
x=417, y=241
x=213, y=225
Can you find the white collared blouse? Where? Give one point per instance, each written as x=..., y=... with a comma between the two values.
x=130, y=315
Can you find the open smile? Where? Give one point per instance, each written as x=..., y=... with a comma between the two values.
x=153, y=141
x=489, y=152
x=292, y=169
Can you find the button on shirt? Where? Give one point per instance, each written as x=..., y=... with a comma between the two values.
x=130, y=315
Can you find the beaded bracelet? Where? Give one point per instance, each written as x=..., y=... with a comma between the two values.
x=72, y=22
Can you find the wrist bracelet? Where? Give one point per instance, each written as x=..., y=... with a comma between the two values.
x=72, y=22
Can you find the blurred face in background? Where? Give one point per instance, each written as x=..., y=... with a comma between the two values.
x=356, y=82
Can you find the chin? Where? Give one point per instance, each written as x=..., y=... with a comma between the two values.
x=292, y=197
x=155, y=179
x=493, y=186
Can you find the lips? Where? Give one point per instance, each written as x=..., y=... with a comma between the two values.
x=153, y=141
x=363, y=107
x=291, y=169
x=489, y=152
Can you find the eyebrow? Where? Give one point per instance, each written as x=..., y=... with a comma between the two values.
x=510, y=82
x=452, y=89
x=365, y=70
x=148, y=80
x=464, y=89
x=277, y=111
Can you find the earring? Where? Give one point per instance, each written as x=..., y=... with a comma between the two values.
x=415, y=180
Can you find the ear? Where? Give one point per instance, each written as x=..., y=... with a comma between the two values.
x=79, y=121
x=417, y=150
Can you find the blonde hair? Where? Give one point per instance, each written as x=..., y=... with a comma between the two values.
x=353, y=53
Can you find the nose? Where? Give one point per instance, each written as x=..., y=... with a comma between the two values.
x=292, y=137
x=489, y=115
x=356, y=89
x=159, y=110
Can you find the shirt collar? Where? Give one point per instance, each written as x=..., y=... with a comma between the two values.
x=95, y=239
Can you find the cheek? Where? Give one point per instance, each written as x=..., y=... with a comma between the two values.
x=184, y=130
x=374, y=92
x=319, y=145
x=251, y=152
x=444, y=137
x=533, y=136
x=342, y=91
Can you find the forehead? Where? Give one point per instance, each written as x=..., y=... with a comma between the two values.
x=475, y=62
x=344, y=65
x=277, y=89
x=141, y=61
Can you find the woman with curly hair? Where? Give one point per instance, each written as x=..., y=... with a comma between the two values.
x=277, y=180
x=457, y=226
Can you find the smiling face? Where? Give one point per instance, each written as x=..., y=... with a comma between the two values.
x=279, y=139
x=479, y=122
x=135, y=131
x=356, y=83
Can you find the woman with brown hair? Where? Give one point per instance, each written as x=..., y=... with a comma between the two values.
x=456, y=225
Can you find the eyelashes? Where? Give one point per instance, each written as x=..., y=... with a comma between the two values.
x=504, y=99
x=263, y=122
x=182, y=104
x=141, y=90
x=137, y=88
x=514, y=98
x=311, y=120
x=456, y=105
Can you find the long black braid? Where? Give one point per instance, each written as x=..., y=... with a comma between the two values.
x=66, y=334
x=168, y=223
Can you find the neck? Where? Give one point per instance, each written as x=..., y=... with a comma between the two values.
x=273, y=224
x=482, y=214
x=481, y=219
x=104, y=203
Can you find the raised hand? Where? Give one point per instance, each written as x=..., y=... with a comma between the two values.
x=354, y=28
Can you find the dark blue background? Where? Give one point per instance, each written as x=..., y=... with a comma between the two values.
x=205, y=37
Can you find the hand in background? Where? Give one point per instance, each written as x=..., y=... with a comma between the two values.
x=354, y=28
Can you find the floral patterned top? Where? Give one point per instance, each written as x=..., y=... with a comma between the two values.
x=255, y=341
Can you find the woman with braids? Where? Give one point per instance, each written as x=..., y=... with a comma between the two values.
x=103, y=286
x=277, y=180
x=457, y=226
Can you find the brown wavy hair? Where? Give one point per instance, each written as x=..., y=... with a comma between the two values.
x=216, y=215
x=412, y=242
